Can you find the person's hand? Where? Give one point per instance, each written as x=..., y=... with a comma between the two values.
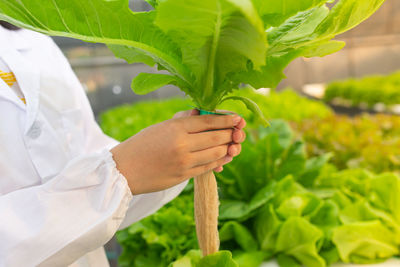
x=238, y=135
x=166, y=154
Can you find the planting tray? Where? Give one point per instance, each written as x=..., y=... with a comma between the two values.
x=389, y=263
x=317, y=91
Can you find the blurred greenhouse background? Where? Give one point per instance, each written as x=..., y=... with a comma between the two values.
x=373, y=48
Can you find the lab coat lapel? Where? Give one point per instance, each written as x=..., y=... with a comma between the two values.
x=28, y=77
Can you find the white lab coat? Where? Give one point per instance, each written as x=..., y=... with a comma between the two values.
x=61, y=195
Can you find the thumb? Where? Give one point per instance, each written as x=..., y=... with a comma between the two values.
x=186, y=113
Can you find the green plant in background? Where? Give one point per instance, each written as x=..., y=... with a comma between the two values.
x=371, y=142
x=170, y=233
x=277, y=202
x=161, y=238
x=370, y=90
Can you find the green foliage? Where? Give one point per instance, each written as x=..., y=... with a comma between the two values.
x=298, y=209
x=349, y=216
x=161, y=238
x=208, y=47
x=370, y=90
x=371, y=142
x=170, y=233
x=369, y=229
x=272, y=155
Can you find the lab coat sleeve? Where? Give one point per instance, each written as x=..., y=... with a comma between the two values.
x=56, y=223
x=80, y=208
x=141, y=205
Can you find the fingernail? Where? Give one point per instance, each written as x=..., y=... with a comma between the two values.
x=228, y=159
x=233, y=151
x=236, y=120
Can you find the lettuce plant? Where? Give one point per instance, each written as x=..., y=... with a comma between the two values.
x=208, y=47
x=371, y=142
x=369, y=90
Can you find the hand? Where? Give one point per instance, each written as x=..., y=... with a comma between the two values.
x=238, y=135
x=166, y=154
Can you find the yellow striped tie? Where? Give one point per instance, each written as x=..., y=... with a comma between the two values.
x=9, y=79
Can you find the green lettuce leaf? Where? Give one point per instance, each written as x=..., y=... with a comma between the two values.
x=385, y=195
x=298, y=238
x=274, y=13
x=286, y=261
x=191, y=259
x=242, y=236
x=267, y=226
x=219, y=259
x=307, y=33
x=219, y=36
x=148, y=82
x=249, y=259
x=251, y=105
x=209, y=47
x=364, y=242
x=240, y=210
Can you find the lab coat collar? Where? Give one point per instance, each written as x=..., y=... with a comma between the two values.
x=15, y=40
x=28, y=78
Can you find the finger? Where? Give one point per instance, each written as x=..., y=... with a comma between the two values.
x=223, y=111
x=195, y=112
x=196, y=171
x=186, y=113
x=205, y=140
x=234, y=150
x=203, y=123
x=238, y=136
x=209, y=155
x=219, y=169
x=241, y=124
